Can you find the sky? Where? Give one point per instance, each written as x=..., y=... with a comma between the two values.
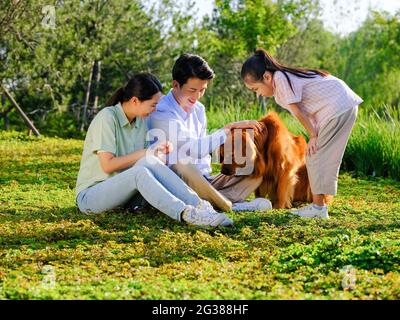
x=339, y=16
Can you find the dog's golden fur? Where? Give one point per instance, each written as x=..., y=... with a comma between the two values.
x=278, y=156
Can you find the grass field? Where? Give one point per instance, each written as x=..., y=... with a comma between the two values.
x=48, y=250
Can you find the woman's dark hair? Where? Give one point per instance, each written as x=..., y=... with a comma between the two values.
x=262, y=61
x=191, y=66
x=142, y=85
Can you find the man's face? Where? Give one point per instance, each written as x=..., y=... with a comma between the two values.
x=188, y=94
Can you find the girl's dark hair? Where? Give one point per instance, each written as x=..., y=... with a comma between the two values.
x=262, y=61
x=191, y=66
x=142, y=85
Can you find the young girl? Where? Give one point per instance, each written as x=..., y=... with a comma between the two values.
x=116, y=165
x=324, y=105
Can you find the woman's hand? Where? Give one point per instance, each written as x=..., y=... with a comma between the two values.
x=245, y=124
x=161, y=149
x=312, y=146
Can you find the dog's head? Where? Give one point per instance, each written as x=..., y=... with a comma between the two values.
x=242, y=152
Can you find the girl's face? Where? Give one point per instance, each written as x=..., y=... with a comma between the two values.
x=264, y=88
x=146, y=107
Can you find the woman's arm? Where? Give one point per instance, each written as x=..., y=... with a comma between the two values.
x=110, y=163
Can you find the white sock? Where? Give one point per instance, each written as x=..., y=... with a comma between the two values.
x=318, y=207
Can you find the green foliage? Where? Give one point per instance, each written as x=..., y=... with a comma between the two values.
x=311, y=47
x=374, y=146
x=47, y=69
x=146, y=255
x=369, y=59
x=236, y=29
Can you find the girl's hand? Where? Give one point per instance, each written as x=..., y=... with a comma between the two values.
x=312, y=146
x=245, y=124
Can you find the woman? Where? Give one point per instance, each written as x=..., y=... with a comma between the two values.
x=116, y=163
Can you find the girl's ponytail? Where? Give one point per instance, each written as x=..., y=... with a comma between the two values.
x=260, y=52
x=262, y=61
x=271, y=64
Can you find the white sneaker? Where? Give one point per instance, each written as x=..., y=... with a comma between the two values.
x=200, y=217
x=257, y=204
x=311, y=212
x=205, y=205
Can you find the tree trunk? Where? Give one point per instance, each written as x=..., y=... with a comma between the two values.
x=85, y=106
x=28, y=122
x=96, y=99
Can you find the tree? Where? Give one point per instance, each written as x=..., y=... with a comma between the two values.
x=371, y=64
x=237, y=28
x=48, y=68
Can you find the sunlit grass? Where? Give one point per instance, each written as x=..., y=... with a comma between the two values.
x=146, y=255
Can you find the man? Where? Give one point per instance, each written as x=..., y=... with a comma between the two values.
x=181, y=119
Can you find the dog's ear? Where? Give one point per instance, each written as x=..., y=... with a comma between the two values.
x=260, y=166
x=260, y=141
x=260, y=137
x=244, y=152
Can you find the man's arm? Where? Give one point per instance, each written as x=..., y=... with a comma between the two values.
x=172, y=130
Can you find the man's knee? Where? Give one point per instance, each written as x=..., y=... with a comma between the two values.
x=184, y=169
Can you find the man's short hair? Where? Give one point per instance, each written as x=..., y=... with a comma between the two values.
x=191, y=66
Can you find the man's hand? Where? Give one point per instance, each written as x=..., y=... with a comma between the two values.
x=245, y=124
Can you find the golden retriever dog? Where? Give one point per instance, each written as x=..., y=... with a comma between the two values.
x=276, y=155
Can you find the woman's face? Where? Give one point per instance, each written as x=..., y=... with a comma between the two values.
x=146, y=107
x=264, y=88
